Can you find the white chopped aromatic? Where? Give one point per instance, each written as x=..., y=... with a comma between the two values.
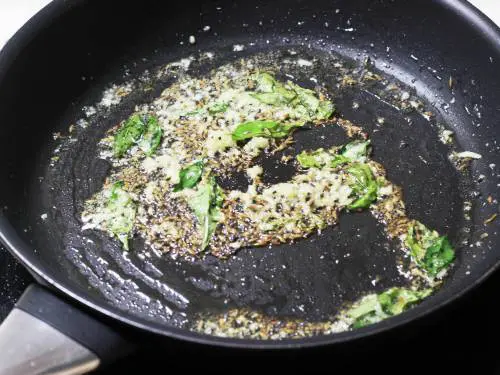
x=254, y=172
x=114, y=95
x=192, y=39
x=89, y=111
x=468, y=154
x=303, y=62
x=82, y=123
x=446, y=136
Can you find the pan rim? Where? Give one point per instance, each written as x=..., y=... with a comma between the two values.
x=22, y=251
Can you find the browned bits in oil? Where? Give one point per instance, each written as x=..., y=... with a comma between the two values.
x=351, y=129
x=134, y=180
x=243, y=323
x=490, y=219
x=348, y=81
x=391, y=209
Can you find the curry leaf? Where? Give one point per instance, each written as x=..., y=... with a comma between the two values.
x=307, y=98
x=363, y=185
x=261, y=128
x=356, y=150
x=120, y=213
x=396, y=300
x=272, y=98
x=140, y=129
x=431, y=252
x=195, y=112
x=218, y=108
x=152, y=137
x=325, y=110
x=375, y=308
x=320, y=159
x=265, y=82
x=438, y=256
x=189, y=176
x=339, y=160
x=315, y=159
x=270, y=91
x=305, y=102
x=206, y=205
x=128, y=135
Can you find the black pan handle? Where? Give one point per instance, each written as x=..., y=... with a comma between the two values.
x=44, y=334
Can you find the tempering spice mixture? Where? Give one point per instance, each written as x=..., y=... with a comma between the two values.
x=168, y=157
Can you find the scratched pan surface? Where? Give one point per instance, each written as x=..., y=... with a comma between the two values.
x=67, y=56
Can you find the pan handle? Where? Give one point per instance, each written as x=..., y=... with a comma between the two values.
x=43, y=334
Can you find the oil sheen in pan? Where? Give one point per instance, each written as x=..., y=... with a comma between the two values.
x=310, y=279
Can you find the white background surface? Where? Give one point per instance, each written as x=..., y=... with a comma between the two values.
x=14, y=13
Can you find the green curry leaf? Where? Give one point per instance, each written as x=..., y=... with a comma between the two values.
x=151, y=139
x=375, y=308
x=363, y=184
x=396, y=300
x=206, y=205
x=265, y=82
x=307, y=98
x=431, y=252
x=305, y=102
x=315, y=159
x=261, y=128
x=325, y=110
x=189, y=176
x=120, y=213
x=320, y=159
x=272, y=98
x=218, y=108
x=128, y=135
x=140, y=129
x=356, y=150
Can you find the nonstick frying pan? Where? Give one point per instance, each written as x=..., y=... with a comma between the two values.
x=65, y=57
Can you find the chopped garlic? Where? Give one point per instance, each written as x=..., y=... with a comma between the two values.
x=254, y=171
x=445, y=136
x=302, y=62
x=468, y=154
x=170, y=165
x=218, y=140
x=255, y=145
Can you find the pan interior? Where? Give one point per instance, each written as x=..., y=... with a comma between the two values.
x=309, y=279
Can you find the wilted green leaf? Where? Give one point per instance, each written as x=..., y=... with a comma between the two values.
x=431, y=252
x=206, y=205
x=265, y=129
x=189, y=176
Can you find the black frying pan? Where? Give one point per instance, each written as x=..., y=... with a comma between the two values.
x=64, y=58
